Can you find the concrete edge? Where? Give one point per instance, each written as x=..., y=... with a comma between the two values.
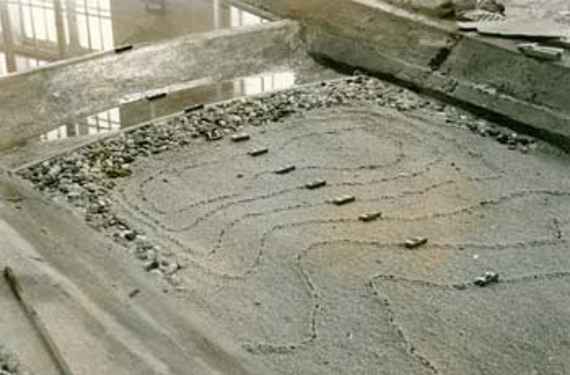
x=434, y=57
x=97, y=55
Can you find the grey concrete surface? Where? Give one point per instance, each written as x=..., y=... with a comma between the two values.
x=71, y=92
x=303, y=286
x=308, y=288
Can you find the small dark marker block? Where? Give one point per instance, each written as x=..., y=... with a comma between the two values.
x=345, y=199
x=285, y=170
x=258, y=152
x=317, y=184
x=370, y=216
x=242, y=137
x=193, y=108
x=161, y=95
x=414, y=243
x=122, y=49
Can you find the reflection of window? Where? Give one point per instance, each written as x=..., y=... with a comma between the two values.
x=94, y=24
x=27, y=63
x=257, y=85
x=103, y=122
x=240, y=17
x=54, y=135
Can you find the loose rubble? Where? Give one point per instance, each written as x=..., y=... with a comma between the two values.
x=84, y=178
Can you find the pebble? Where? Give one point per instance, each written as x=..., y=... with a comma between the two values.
x=129, y=235
x=151, y=265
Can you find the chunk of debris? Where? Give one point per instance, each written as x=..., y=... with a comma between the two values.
x=368, y=217
x=414, y=243
x=342, y=200
x=241, y=137
x=316, y=184
x=134, y=293
x=540, y=52
x=258, y=151
x=486, y=279
x=286, y=169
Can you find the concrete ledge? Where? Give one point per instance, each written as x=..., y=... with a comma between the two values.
x=433, y=55
x=34, y=103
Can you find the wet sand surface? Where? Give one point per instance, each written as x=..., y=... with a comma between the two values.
x=303, y=285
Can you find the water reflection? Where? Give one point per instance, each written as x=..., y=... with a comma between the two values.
x=143, y=110
x=36, y=32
